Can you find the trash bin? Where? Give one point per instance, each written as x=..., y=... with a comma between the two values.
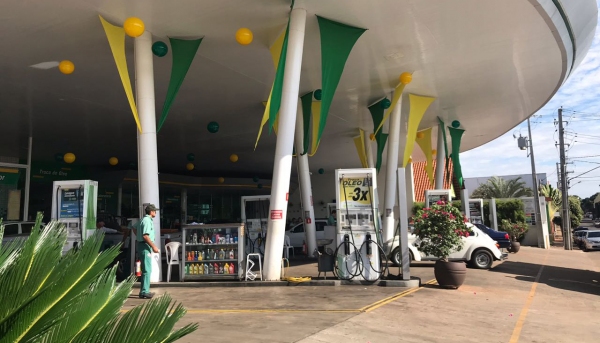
x=325, y=262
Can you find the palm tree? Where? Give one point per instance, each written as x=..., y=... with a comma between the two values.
x=553, y=198
x=48, y=297
x=497, y=187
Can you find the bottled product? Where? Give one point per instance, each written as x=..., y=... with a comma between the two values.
x=221, y=254
x=235, y=239
x=226, y=268
x=231, y=254
x=211, y=268
x=216, y=268
x=187, y=269
x=200, y=269
x=231, y=269
x=221, y=269
x=206, y=269
x=195, y=238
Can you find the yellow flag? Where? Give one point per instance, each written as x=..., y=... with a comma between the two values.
x=116, y=40
x=359, y=142
x=418, y=107
x=276, y=55
x=316, y=119
x=397, y=94
x=425, y=145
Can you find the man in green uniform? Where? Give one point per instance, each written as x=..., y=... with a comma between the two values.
x=145, y=246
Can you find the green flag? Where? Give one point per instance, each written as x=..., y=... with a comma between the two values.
x=381, y=140
x=337, y=41
x=456, y=135
x=306, y=114
x=278, y=83
x=183, y=55
x=377, y=112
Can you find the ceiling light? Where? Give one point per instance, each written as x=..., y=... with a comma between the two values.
x=45, y=65
x=394, y=56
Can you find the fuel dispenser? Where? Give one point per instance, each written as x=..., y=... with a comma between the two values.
x=74, y=203
x=255, y=209
x=358, y=249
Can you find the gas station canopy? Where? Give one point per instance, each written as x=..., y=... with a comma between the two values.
x=489, y=64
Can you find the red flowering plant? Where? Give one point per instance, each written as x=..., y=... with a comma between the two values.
x=440, y=229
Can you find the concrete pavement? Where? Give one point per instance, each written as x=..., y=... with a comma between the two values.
x=535, y=296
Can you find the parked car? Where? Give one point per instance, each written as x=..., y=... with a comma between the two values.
x=297, y=235
x=591, y=240
x=578, y=236
x=597, y=222
x=14, y=230
x=479, y=250
x=501, y=237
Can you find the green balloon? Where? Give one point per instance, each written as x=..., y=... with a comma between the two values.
x=386, y=103
x=321, y=171
x=259, y=186
x=160, y=49
x=59, y=157
x=213, y=127
x=318, y=94
x=191, y=157
x=255, y=179
x=455, y=124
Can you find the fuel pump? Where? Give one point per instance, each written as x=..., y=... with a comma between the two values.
x=358, y=236
x=74, y=203
x=254, y=215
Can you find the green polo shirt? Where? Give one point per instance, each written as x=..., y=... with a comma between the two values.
x=146, y=227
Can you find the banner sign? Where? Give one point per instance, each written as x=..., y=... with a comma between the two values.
x=355, y=192
x=476, y=211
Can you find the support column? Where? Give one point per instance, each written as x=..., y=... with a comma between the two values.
x=369, y=148
x=119, y=199
x=27, y=181
x=147, y=155
x=280, y=185
x=493, y=215
x=440, y=160
x=410, y=188
x=391, y=175
x=184, y=203
x=305, y=185
x=403, y=209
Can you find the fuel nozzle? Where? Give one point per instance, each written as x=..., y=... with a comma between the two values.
x=346, y=244
x=368, y=241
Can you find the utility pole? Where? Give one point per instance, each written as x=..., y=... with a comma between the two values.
x=558, y=181
x=564, y=188
x=536, y=190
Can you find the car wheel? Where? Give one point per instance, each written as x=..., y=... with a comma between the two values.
x=396, y=257
x=482, y=259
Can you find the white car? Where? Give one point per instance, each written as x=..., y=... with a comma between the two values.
x=297, y=235
x=591, y=240
x=479, y=250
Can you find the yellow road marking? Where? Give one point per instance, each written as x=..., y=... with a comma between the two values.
x=367, y=308
x=519, y=325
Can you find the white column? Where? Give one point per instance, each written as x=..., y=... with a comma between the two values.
x=410, y=187
x=369, y=148
x=493, y=216
x=148, y=160
x=280, y=185
x=464, y=196
x=27, y=181
x=440, y=160
x=119, y=199
x=403, y=209
x=305, y=185
x=391, y=174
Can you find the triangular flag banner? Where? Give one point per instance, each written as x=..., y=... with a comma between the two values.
x=418, y=107
x=456, y=135
x=425, y=145
x=359, y=142
x=377, y=115
x=277, y=89
x=337, y=41
x=381, y=140
x=183, y=55
x=116, y=40
x=306, y=101
x=316, y=117
x=275, y=54
x=395, y=98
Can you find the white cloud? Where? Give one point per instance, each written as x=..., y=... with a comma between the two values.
x=580, y=93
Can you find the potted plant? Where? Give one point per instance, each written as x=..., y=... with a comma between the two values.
x=516, y=231
x=440, y=229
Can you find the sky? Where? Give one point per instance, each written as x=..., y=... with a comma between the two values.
x=580, y=99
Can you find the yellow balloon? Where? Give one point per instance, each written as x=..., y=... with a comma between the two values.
x=410, y=160
x=189, y=166
x=134, y=27
x=221, y=180
x=66, y=67
x=372, y=137
x=405, y=78
x=113, y=161
x=244, y=36
x=420, y=135
x=69, y=157
x=434, y=152
x=233, y=158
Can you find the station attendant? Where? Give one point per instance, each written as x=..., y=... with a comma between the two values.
x=146, y=246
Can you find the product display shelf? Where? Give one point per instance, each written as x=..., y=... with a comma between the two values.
x=212, y=252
